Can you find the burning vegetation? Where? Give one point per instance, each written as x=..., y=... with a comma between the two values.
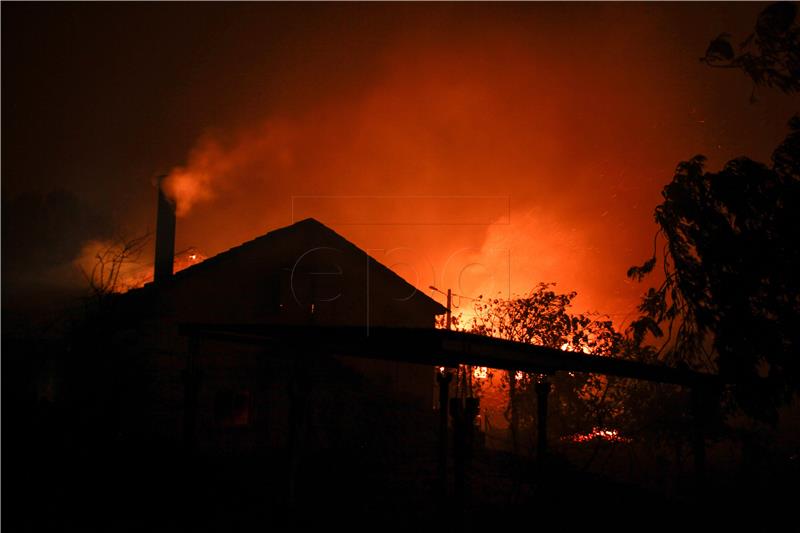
x=585, y=405
x=117, y=266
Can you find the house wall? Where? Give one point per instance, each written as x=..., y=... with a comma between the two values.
x=329, y=285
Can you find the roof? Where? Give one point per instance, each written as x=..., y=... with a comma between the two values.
x=442, y=347
x=308, y=226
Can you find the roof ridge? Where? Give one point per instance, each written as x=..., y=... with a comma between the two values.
x=292, y=227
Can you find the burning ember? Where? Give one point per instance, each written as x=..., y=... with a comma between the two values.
x=187, y=258
x=610, y=435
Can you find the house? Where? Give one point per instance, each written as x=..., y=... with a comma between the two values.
x=246, y=396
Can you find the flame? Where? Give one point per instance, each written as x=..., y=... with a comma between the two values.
x=443, y=118
x=609, y=435
x=186, y=258
x=480, y=372
x=133, y=274
x=569, y=347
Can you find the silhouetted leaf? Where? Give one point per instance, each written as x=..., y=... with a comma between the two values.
x=639, y=272
x=720, y=49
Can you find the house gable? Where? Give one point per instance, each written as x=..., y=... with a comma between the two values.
x=303, y=273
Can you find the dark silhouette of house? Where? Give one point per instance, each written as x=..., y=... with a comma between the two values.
x=248, y=398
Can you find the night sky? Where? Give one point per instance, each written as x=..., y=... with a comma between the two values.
x=473, y=146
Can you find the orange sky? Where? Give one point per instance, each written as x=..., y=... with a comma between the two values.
x=473, y=146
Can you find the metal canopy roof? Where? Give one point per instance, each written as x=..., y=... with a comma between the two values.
x=438, y=347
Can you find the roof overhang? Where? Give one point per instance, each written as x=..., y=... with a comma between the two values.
x=439, y=347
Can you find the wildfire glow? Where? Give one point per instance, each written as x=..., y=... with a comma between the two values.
x=132, y=274
x=610, y=435
x=480, y=372
x=567, y=347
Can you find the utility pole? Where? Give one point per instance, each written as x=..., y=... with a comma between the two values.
x=443, y=378
x=449, y=311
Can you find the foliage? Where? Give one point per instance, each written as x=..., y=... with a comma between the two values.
x=542, y=317
x=770, y=56
x=579, y=402
x=731, y=264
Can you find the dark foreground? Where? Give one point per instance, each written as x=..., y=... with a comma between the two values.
x=53, y=486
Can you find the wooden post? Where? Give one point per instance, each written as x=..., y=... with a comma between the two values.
x=444, y=379
x=542, y=391
x=512, y=399
x=299, y=391
x=463, y=414
x=471, y=410
x=191, y=389
x=699, y=401
x=459, y=454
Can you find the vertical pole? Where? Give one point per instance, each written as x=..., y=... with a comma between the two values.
x=513, y=428
x=699, y=398
x=512, y=399
x=457, y=413
x=443, y=378
x=471, y=410
x=449, y=312
x=191, y=387
x=299, y=389
x=542, y=391
x=463, y=414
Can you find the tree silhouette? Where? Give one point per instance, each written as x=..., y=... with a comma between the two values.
x=770, y=56
x=543, y=317
x=731, y=264
x=730, y=299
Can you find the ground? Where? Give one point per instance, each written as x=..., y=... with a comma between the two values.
x=53, y=487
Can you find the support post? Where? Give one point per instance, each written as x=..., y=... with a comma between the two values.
x=444, y=379
x=542, y=392
x=299, y=391
x=191, y=389
x=463, y=415
x=449, y=308
x=699, y=401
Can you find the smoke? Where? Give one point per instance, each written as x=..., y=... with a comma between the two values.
x=372, y=118
x=44, y=232
x=187, y=185
x=578, y=129
x=213, y=165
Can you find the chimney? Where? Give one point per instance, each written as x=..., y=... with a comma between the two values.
x=165, y=237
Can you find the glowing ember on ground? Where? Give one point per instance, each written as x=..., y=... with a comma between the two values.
x=610, y=435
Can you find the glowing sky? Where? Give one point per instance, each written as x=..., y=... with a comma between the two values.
x=474, y=146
